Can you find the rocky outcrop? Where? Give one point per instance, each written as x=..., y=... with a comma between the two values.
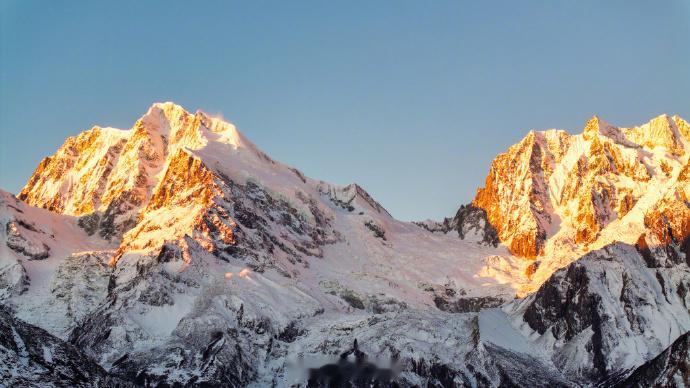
x=216, y=360
x=108, y=175
x=376, y=229
x=469, y=222
x=608, y=302
x=31, y=357
x=515, y=195
x=18, y=242
x=473, y=221
x=13, y=281
x=661, y=132
x=669, y=220
x=671, y=368
x=466, y=304
x=553, y=190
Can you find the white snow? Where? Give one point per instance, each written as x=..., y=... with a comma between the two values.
x=47, y=354
x=22, y=352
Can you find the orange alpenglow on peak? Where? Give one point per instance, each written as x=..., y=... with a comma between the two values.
x=113, y=174
x=100, y=166
x=552, y=188
x=161, y=180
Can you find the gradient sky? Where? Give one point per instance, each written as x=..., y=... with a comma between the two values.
x=410, y=99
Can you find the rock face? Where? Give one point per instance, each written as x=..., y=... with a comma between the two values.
x=671, y=368
x=109, y=174
x=178, y=253
x=31, y=357
x=453, y=337
x=153, y=183
x=554, y=189
x=608, y=303
x=516, y=197
x=17, y=241
x=470, y=222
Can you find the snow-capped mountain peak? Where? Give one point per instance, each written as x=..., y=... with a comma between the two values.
x=177, y=252
x=553, y=190
x=171, y=118
x=115, y=172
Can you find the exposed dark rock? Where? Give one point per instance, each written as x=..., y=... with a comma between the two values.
x=109, y=228
x=345, y=197
x=565, y=305
x=471, y=218
x=466, y=304
x=45, y=360
x=562, y=304
x=112, y=223
x=14, y=279
x=220, y=361
x=89, y=222
x=352, y=299
x=290, y=333
x=27, y=225
x=468, y=219
x=512, y=370
x=92, y=332
x=606, y=299
x=378, y=231
x=360, y=192
x=381, y=305
x=671, y=368
x=17, y=242
x=254, y=238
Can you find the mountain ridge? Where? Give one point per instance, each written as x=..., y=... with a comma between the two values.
x=173, y=250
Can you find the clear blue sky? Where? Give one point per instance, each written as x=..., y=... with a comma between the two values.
x=410, y=99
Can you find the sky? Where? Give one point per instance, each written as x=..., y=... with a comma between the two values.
x=410, y=99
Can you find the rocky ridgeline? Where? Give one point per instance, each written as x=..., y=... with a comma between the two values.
x=581, y=184
x=178, y=253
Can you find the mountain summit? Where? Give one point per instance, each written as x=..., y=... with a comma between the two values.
x=554, y=193
x=177, y=252
x=116, y=173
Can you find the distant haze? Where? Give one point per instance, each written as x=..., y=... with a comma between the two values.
x=412, y=100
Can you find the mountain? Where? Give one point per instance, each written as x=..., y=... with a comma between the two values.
x=609, y=311
x=554, y=197
x=177, y=252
